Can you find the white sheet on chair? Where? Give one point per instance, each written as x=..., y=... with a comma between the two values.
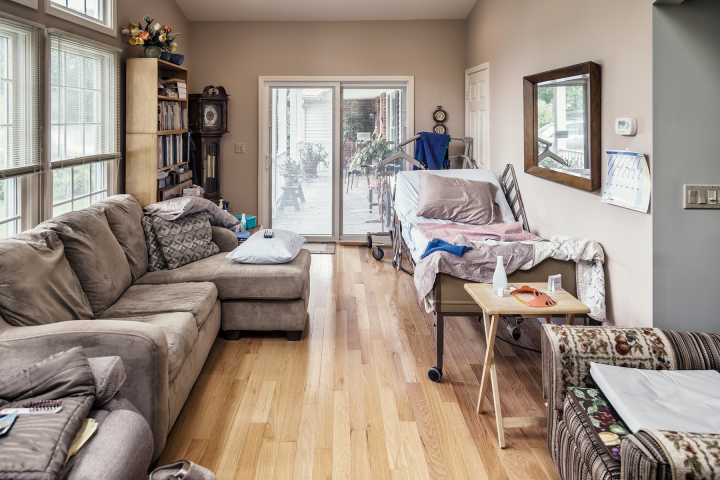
x=680, y=400
x=406, y=203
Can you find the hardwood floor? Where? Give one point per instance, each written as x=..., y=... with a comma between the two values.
x=352, y=398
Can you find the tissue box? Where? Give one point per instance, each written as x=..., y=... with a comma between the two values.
x=249, y=220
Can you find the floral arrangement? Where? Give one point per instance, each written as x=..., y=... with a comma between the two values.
x=151, y=36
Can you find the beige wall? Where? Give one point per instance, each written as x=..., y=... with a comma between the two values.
x=517, y=38
x=235, y=54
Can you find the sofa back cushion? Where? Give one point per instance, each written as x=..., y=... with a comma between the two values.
x=94, y=255
x=124, y=215
x=37, y=284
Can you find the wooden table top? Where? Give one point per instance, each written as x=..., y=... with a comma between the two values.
x=488, y=300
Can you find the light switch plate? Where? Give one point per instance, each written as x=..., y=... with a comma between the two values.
x=701, y=197
x=239, y=148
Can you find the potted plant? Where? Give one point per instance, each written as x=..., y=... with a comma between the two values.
x=155, y=38
x=372, y=153
x=311, y=154
x=291, y=170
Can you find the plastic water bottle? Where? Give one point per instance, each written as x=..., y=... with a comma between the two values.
x=243, y=224
x=499, y=277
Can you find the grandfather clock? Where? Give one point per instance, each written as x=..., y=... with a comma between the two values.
x=208, y=110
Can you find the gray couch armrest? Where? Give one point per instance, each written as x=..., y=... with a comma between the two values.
x=142, y=347
x=225, y=239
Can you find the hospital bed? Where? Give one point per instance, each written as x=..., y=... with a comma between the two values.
x=449, y=298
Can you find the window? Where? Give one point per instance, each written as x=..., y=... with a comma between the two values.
x=84, y=120
x=20, y=116
x=9, y=208
x=95, y=14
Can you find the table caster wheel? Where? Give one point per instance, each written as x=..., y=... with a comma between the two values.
x=378, y=253
x=434, y=374
x=369, y=241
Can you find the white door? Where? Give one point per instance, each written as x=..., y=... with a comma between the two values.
x=476, y=112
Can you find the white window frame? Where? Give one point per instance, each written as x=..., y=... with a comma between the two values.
x=265, y=84
x=46, y=206
x=108, y=9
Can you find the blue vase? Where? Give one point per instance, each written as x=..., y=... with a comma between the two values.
x=165, y=56
x=177, y=59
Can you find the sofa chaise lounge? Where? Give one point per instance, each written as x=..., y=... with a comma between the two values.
x=81, y=279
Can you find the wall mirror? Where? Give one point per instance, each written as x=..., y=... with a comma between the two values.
x=562, y=125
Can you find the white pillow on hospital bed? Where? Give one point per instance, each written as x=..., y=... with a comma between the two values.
x=458, y=200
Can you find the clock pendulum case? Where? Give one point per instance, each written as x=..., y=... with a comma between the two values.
x=440, y=116
x=208, y=111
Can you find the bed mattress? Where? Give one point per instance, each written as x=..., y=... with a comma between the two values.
x=680, y=400
x=406, y=203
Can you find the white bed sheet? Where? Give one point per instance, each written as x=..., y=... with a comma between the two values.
x=407, y=197
x=679, y=400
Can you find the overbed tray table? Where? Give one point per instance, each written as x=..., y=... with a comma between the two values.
x=494, y=306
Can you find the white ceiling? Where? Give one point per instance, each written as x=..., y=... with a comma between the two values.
x=324, y=10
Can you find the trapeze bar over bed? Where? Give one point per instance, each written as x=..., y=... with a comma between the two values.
x=449, y=297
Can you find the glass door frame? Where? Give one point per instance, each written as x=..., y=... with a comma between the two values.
x=265, y=85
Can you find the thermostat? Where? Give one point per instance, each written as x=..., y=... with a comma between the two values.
x=625, y=126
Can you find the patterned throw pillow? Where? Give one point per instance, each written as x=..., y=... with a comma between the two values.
x=156, y=261
x=185, y=240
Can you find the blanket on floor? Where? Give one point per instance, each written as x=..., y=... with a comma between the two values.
x=478, y=265
x=502, y=232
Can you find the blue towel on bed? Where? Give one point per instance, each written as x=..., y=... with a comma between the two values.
x=431, y=149
x=438, y=245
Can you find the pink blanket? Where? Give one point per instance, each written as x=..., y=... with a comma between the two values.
x=503, y=232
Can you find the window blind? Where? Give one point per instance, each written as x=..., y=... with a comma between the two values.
x=84, y=101
x=20, y=99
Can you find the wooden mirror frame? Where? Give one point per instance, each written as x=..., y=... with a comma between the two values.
x=530, y=104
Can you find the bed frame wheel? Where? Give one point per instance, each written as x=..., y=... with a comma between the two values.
x=369, y=241
x=378, y=253
x=435, y=374
x=394, y=264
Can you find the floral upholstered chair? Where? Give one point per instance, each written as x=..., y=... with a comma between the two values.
x=648, y=454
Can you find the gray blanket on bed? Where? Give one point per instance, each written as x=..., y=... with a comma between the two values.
x=477, y=265
x=36, y=446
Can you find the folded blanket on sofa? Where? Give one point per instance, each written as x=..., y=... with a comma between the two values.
x=36, y=446
x=180, y=207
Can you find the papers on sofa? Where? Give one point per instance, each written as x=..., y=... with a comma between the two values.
x=628, y=180
x=679, y=400
x=283, y=247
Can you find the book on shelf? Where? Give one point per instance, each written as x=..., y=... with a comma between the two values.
x=172, y=115
x=170, y=150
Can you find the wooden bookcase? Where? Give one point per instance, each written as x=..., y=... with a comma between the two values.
x=141, y=135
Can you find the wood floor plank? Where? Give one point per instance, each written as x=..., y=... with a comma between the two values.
x=341, y=456
x=352, y=399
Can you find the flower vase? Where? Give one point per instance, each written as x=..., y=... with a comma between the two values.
x=152, y=52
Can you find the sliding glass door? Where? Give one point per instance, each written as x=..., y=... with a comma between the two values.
x=302, y=160
x=321, y=143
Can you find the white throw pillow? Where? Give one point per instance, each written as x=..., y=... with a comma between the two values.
x=282, y=248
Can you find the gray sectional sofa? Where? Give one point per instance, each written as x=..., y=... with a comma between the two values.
x=81, y=279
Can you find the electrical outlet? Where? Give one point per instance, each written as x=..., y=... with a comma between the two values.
x=239, y=148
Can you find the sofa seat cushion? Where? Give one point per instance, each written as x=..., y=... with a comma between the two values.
x=599, y=463
x=94, y=255
x=237, y=281
x=197, y=299
x=37, y=284
x=124, y=215
x=180, y=331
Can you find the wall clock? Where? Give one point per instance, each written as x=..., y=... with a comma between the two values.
x=440, y=116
